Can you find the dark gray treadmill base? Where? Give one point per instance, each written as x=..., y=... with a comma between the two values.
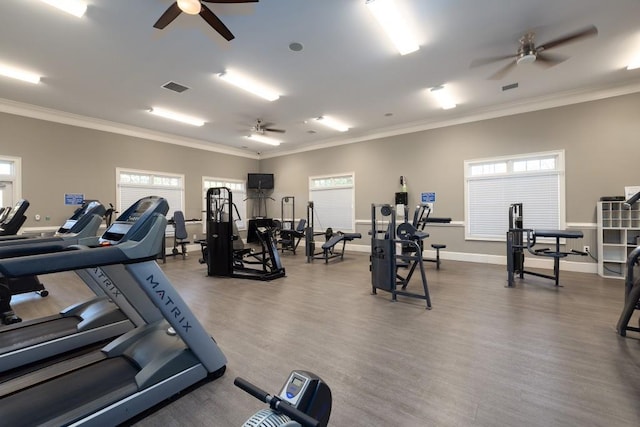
x=37, y=333
x=87, y=389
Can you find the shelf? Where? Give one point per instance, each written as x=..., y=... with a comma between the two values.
x=618, y=235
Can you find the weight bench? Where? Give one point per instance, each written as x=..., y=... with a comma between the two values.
x=329, y=246
x=290, y=239
x=515, y=254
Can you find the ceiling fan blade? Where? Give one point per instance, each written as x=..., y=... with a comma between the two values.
x=216, y=23
x=275, y=130
x=485, y=61
x=168, y=16
x=590, y=31
x=549, y=59
x=498, y=75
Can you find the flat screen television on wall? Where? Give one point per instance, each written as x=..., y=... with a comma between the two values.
x=260, y=181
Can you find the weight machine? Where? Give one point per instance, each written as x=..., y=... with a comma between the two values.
x=631, y=284
x=223, y=250
x=516, y=246
x=385, y=260
x=331, y=240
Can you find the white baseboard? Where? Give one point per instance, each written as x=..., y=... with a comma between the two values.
x=534, y=262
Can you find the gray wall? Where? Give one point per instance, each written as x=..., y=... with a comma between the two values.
x=600, y=140
x=59, y=159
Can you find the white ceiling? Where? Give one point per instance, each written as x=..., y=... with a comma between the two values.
x=106, y=69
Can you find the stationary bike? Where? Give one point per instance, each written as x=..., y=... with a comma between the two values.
x=305, y=400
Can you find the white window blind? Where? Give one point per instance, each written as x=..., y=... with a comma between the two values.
x=535, y=180
x=134, y=185
x=333, y=198
x=238, y=193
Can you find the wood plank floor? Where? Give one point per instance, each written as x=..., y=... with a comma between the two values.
x=485, y=355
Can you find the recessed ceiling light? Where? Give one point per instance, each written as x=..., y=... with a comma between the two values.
x=73, y=7
x=16, y=73
x=177, y=116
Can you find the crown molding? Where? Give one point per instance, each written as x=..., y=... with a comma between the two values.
x=51, y=115
x=560, y=99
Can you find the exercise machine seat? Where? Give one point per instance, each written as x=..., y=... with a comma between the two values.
x=180, y=234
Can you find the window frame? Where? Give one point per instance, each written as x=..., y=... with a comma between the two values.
x=151, y=186
x=512, y=175
x=14, y=177
x=329, y=182
x=230, y=183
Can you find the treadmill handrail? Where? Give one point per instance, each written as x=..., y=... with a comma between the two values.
x=76, y=257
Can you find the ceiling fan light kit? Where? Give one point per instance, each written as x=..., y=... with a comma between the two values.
x=190, y=7
x=528, y=52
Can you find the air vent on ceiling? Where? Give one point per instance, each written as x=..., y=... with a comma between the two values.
x=176, y=87
x=511, y=86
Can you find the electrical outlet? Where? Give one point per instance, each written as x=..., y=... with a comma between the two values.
x=586, y=249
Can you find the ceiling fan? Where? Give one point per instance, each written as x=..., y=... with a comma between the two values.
x=528, y=52
x=194, y=7
x=261, y=128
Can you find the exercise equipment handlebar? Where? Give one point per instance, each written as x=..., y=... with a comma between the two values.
x=276, y=403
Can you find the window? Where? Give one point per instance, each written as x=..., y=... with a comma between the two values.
x=491, y=185
x=334, y=200
x=10, y=174
x=238, y=194
x=135, y=184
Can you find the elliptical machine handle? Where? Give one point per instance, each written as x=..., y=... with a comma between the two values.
x=276, y=403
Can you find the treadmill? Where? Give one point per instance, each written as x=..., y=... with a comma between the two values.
x=137, y=370
x=84, y=222
x=101, y=318
x=14, y=220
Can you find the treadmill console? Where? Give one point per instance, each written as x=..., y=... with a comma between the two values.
x=127, y=223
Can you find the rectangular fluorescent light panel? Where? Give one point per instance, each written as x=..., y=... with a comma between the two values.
x=263, y=139
x=388, y=16
x=249, y=85
x=635, y=64
x=73, y=7
x=443, y=96
x=176, y=116
x=18, y=74
x=332, y=123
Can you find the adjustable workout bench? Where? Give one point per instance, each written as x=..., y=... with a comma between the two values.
x=290, y=239
x=329, y=246
x=516, y=246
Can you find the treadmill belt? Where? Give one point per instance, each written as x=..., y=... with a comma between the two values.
x=83, y=388
x=38, y=333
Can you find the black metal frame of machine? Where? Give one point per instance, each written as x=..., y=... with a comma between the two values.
x=384, y=260
x=222, y=250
